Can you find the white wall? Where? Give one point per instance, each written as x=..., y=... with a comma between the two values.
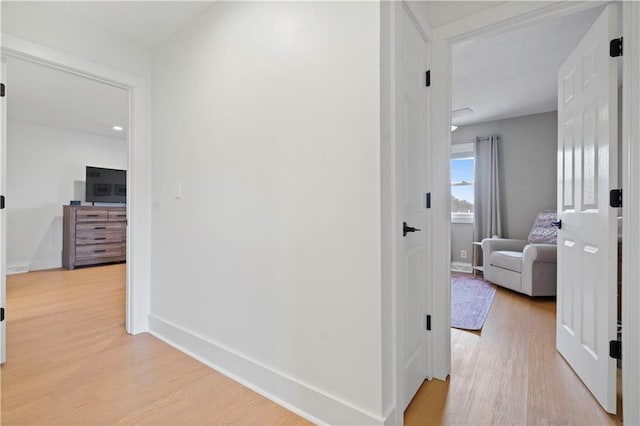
x=461, y=239
x=528, y=152
x=45, y=170
x=267, y=115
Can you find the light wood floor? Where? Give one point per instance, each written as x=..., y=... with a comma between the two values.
x=69, y=361
x=510, y=373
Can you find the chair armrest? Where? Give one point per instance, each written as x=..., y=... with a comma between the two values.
x=504, y=244
x=540, y=253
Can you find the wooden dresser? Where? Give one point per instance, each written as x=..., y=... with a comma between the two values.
x=93, y=235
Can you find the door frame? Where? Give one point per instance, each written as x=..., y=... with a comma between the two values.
x=631, y=209
x=3, y=214
x=498, y=19
x=138, y=179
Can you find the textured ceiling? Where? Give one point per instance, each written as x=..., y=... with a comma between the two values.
x=514, y=73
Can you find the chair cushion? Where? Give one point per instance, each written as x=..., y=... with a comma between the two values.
x=542, y=231
x=511, y=260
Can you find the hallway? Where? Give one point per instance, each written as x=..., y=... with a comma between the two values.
x=70, y=361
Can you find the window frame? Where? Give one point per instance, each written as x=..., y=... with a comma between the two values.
x=464, y=151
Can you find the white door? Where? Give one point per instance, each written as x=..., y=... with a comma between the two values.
x=3, y=187
x=587, y=240
x=411, y=163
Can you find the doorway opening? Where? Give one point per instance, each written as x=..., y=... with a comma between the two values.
x=519, y=220
x=138, y=202
x=58, y=124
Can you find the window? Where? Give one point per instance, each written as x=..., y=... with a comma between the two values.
x=462, y=172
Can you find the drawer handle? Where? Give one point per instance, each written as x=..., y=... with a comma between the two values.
x=99, y=251
x=100, y=238
x=93, y=215
x=99, y=227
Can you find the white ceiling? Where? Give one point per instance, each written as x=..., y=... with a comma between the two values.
x=50, y=97
x=498, y=76
x=54, y=98
x=148, y=23
x=514, y=73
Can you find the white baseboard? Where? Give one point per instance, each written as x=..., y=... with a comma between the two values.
x=36, y=265
x=314, y=405
x=39, y=265
x=390, y=418
x=17, y=268
x=461, y=267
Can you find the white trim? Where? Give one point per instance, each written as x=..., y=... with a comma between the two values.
x=508, y=15
x=631, y=213
x=17, y=268
x=440, y=292
x=138, y=180
x=392, y=418
x=416, y=15
x=3, y=214
x=461, y=217
x=313, y=404
x=461, y=267
x=391, y=366
x=463, y=148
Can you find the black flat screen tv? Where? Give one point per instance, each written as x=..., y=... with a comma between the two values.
x=106, y=185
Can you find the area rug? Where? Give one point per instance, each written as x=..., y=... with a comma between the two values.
x=471, y=300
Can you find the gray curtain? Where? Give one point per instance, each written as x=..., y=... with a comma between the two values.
x=487, y=220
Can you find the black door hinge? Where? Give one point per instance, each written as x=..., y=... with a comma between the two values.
x=427, y=79
x=615, y=198
x=428, y=322
x=428, y=200
x=1, y=90
x=615, y=349
x=1, y=314
x=1, y=202
x=615, y=47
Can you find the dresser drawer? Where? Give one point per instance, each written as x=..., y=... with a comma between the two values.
x=98, y=233
x=97, y=251
x=117, y=215
x=91, y=215
x=98, y=237
x=84, y=228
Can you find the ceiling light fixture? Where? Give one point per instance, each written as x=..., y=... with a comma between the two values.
x=461, y=112
x=118, y=128
x=453, y=128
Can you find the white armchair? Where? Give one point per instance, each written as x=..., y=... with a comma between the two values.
x=525, y=266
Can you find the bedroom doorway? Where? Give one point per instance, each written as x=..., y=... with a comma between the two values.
x=137, y=230
x=58, y=123
x=485, y=132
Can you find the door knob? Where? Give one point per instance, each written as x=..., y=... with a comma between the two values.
x=557, y=224
x=406, y=228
